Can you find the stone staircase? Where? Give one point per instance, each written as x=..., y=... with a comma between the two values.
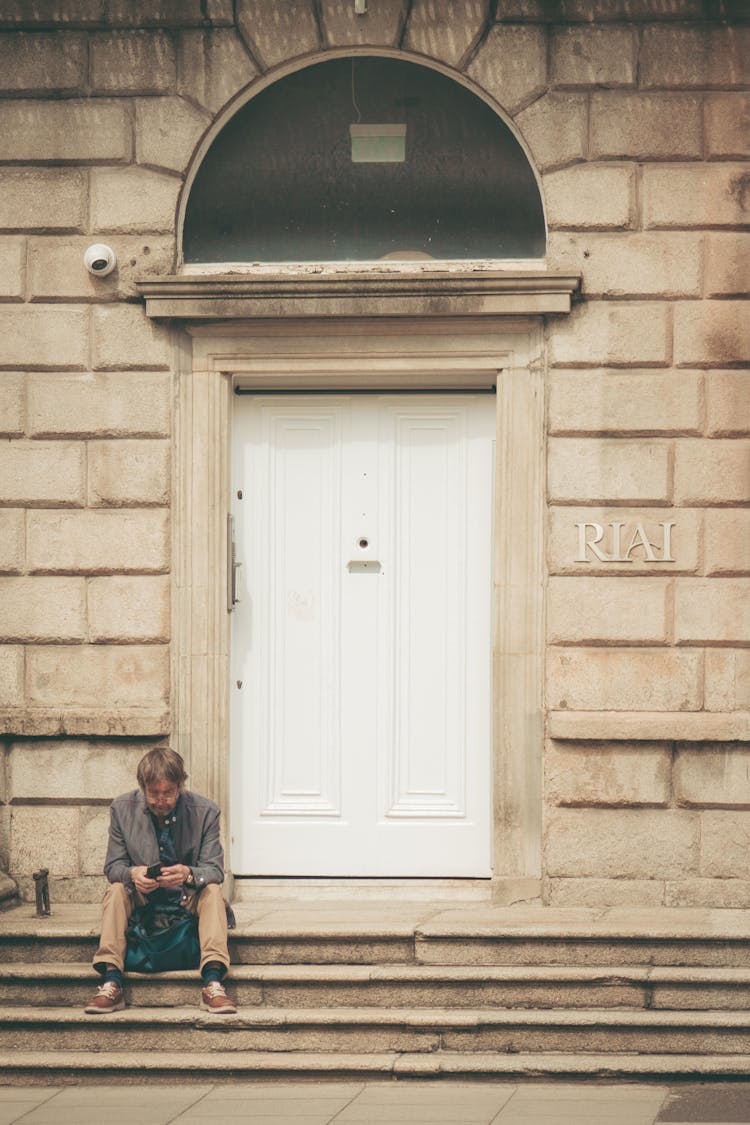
x=395, y=991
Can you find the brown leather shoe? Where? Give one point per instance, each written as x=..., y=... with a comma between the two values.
x=109, y=998
x=214, y=999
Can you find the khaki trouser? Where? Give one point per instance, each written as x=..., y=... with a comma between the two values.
x=118, y=905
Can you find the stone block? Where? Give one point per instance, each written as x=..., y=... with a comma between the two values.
x=133, y=200
x=727, y=541
x=12, y=403
x=42, y=198
x=712, y=471
x=511, y=65
x=555, y=127
x=714, y=333
x=213, y=66
x=636, y=679
x=98, y=542
x=12, y=269
x=106, y=404
x=647, y=126
x=43, y=63
x=605, y=892
x=445, y=29
x=604, y=470
x=712, y=894
x=605, y=332
x=129, y=610
x=94, y=833
x=571, y=528
x=712, y=610
x=42, y=609
x=133, y=62
x=51, y=337
x=597, y=610
x=727, y=264
x=712, y=776
x=169, y=13
x=70, y=770
x=48, y=473
x=100, y=677
x=12, y=540
x=725, y=841
x=381, y=26
x=44, y=837
x=695, y=56
x=167, y=131
x=727, y=679
x=277, y=32
x=608, y=774
x=590, y=196
x=696, y=195
x=11, y=675
x=622, y=844
x=56, y=268
x=125, y=338
x=727, y=118
x=128, y=473
x=56, y=13
x=593, y=56
x=624, y=402
x=73, y=130
x=615, y=265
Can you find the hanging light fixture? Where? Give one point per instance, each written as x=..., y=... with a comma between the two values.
x=376, y=144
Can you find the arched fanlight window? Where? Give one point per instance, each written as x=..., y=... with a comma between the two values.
x=359, y=159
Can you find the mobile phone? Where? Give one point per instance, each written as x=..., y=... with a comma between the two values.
x=154, y=871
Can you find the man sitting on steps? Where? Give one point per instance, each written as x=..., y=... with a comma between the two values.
x=162, y=822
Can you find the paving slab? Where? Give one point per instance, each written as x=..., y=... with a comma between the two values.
x=718, y=1102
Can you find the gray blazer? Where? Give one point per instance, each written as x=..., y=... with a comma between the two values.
x=132, y=839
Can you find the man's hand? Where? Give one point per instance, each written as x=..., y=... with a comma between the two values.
x=174, y=876
x=141, y=881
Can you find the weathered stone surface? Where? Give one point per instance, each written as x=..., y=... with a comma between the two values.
x=607, y=774
x=128, y=473
x=49, y=337
x=94, y=832
x=605, y=892
x=711, y=471
x=725, y=839
x=612, y=610
x=170, y=13
x=276, y=32
x=106, y=404
x=42, y=609
x=727, y=265
x=696, y=195
x=511, y=65
x=712, y=332
x=727, y=680
x=630, y=843
x=66, y=130
x=129, y=610
x=12, y=268
x=445, y=29
x=12, y=540
x=42, y=198
x=213, y=67
x=564, y=540
x=727, y=119
x=621, y=402
x=133, y=200
x=606, y=470
x=381, y=26
x=648, y=126
x=12, y=403
x=593, y=56
x=727, y=541
x=56, y=269
x=605, y=332
x=125, y=338
x=98, y=542
x=615, y=265
x=44, y=837
x=712, y=610
x=42, y=472
x=11, y=675
x=590, y=195
x=133, y=62
x=97, y=676
x=594, y=679
x=62, y=13
x=712, y=776
x=555, y=127
x=695, y=56
x=42, y=63
x=70, y=770
x=726, y=894
x=167, y=131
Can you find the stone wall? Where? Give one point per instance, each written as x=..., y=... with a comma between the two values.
x=637, y=116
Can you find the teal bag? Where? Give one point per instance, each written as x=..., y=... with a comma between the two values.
x=162, y=939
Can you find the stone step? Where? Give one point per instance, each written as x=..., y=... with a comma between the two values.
x=377, y=1031
x=71, y=984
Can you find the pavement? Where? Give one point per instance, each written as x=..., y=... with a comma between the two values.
x=378, y=1103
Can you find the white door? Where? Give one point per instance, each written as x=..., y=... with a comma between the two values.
x=361, y=643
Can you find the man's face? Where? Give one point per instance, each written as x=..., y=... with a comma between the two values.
x=161, y=797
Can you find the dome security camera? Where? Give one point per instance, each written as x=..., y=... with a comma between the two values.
x=99, y=260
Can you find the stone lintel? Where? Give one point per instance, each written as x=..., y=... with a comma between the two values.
x=29, y=722
x=649, y=726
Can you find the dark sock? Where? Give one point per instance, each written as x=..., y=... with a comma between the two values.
x=114, y=975
x=212, y=971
